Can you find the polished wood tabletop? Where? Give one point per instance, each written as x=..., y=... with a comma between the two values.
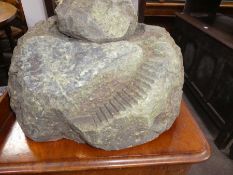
x=7, y=12
x=182, y=144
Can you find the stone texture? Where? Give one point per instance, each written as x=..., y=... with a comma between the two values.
x=97, y=20
x=2, y=90
x=112, y=95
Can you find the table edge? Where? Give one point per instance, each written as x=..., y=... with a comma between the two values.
x=106, y=163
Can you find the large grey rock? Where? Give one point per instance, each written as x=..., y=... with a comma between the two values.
x=97, y=20
x=112, y=95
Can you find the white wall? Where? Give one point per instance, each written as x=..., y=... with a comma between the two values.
x=34, y=11
x=135, y=3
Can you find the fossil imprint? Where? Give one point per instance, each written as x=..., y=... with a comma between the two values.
x=75, y=77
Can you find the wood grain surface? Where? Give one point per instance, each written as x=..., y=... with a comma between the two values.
x=172, y=153
x=7, y=13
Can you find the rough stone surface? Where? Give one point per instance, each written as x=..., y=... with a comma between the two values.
x=111, y=95
x=2, y=90
x=97, y=20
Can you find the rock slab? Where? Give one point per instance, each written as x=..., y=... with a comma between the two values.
x=111, y=95
x=97, y=20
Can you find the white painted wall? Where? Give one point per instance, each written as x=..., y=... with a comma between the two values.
x=34, y=11
x=135, y=3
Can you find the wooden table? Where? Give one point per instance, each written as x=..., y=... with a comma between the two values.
x=7, y=14
x=172, y=153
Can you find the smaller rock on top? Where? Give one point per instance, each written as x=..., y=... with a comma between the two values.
x=97, y=20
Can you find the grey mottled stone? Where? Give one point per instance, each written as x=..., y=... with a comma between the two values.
x=111, y=95
x=97, y=20
x=2, y=90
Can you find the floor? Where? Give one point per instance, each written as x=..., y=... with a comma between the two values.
x=219, y=163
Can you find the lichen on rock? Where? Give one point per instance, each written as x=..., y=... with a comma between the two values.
x=97, y=20
x=111, y=95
